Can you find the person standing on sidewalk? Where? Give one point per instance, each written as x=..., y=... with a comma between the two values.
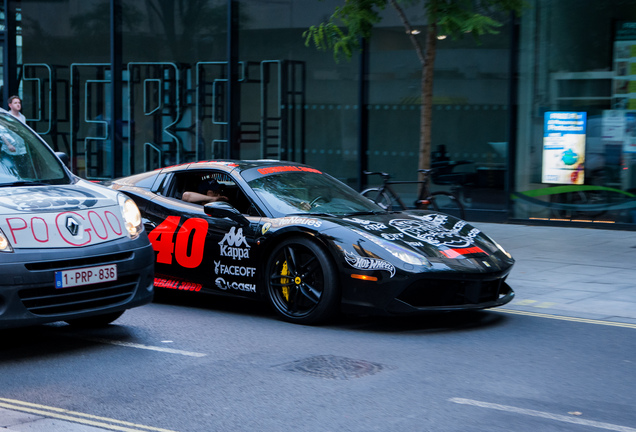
x=15, y=105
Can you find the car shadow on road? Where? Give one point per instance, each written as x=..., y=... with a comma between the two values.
x=433, y=322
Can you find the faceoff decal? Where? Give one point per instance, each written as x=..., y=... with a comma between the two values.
x=222, y=269
x=31, y=199
x=364, y=263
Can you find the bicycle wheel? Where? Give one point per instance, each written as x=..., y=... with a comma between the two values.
x=448, y=203
x=378, y=196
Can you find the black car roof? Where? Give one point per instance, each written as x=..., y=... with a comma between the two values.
x=229, y=165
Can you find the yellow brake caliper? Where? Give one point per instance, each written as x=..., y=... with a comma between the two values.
x=285, y=281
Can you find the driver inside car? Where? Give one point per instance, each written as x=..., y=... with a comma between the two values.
x=209, y=191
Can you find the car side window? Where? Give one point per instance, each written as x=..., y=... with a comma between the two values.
x=224, y=185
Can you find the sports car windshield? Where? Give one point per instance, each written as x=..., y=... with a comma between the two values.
x=310, y=193
x=24, y=158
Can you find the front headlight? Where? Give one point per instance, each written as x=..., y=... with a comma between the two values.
x=131, y=214
x=403, y=254
x=5, y=246
x=501, y=249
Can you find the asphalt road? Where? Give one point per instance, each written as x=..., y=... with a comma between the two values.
x=214, y=364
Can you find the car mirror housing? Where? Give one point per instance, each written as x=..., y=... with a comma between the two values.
x=221, y=209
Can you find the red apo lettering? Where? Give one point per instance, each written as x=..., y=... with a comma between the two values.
x=104, y=225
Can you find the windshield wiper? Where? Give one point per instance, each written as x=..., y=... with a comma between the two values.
x=23, y=183
x=311, y=214
x=367, y=212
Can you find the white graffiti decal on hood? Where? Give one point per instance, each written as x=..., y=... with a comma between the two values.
x=430, y=229
x=367, y=224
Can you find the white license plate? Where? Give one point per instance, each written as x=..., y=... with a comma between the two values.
x=85, y=276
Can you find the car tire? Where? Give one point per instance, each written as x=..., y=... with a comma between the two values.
x=95, y=321
x=302, y=286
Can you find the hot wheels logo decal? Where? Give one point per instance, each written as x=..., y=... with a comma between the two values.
x=364, y=263
x=234, y=244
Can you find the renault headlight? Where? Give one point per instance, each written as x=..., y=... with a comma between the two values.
x=131, y=214
x=5, y=245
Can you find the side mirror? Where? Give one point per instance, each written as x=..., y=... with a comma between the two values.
x=221, y=209
x=64, y=158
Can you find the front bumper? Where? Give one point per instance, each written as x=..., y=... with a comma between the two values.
x=28, y=295
x=428, y=293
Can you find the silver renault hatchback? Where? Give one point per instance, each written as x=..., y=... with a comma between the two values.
x=70, y=250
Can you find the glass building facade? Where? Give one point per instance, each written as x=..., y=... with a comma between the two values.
x=541, y=112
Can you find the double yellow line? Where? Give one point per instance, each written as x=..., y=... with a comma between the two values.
x=566, y=318
x=77, y=417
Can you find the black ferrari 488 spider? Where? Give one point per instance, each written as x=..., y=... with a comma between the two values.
x=310, y=245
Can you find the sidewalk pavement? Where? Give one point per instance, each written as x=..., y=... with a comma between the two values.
x=575, y=272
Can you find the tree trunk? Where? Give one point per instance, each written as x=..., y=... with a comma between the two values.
x=426, y=113
x=427, y=61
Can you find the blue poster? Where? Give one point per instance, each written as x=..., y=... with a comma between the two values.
x=564, y=147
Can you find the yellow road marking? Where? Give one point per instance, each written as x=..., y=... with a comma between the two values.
x=76, y=417
x=566, y=318
x=525, y=302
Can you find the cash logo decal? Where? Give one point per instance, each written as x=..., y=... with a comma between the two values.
x=234, y=244
x=222, y=284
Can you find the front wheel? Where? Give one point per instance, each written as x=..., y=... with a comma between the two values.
x=448, y=203
x=301, y=282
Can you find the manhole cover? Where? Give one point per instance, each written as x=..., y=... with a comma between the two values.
x=333, y=367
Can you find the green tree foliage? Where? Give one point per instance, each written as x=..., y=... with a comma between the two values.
x=355, y=19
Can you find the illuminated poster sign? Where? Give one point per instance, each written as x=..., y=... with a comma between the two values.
x=564, y=147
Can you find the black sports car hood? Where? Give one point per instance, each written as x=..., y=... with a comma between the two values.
x=438, y=237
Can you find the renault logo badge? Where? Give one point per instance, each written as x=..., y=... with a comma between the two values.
x=72, y=226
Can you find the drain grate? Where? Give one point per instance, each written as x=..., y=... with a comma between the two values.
x=333, y=367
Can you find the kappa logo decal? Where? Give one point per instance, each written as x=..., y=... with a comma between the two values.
x=430, y=229
x=234, y=244
x=364, y=263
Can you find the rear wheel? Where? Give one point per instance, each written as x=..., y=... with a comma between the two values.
x=301, y=282
x=448, y=203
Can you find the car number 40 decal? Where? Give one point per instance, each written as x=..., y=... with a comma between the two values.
x=167, y=241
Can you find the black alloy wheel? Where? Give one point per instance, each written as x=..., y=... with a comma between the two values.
x=301, y=283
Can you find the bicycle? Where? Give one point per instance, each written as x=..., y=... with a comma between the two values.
x=386, y=197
